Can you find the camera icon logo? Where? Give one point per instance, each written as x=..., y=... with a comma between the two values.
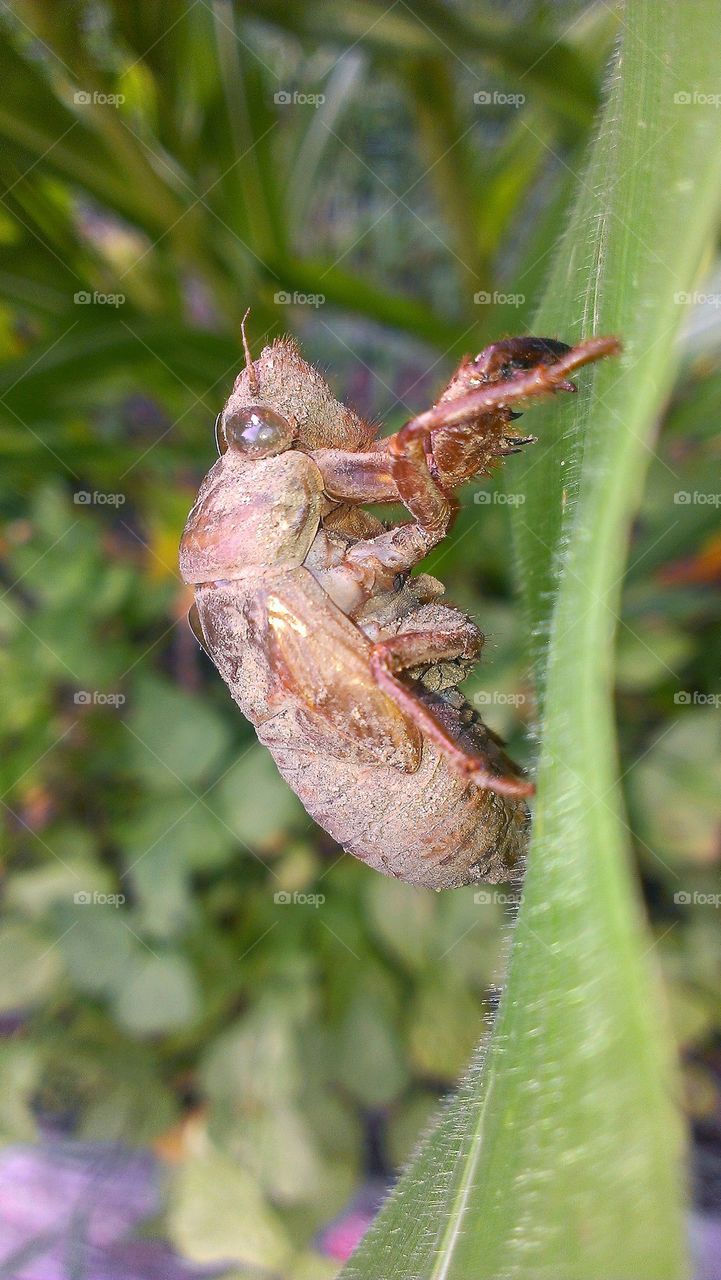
x=483, y=898
x=82, y=498
x=682, y=98
x=282, y=98
x=682, y=898
x=82, y=698
x=82, y=297
x=283, y=897
x=81, y=97
x=82, y=897
x=682, y=498
x=683, y=698
x=482, y=98
x=282, y=298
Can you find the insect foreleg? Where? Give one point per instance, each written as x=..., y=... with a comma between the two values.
x=453, y=423
x=539, y=380
x=404, y=466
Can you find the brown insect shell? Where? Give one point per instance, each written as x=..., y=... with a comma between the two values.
x=252, y=515
x=266, y=512
x=294, y=388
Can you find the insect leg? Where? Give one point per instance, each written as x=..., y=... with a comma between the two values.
x=356, y=477
x=403, y=466
x=374, y=477
x=410, y=649
x=411, y=461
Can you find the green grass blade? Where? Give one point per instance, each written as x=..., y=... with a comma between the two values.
x=560, y=1155
x=548, y=63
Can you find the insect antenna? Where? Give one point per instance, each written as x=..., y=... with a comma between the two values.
x=252, y=376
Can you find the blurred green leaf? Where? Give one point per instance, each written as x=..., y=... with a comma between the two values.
x=443, y=1027
x=254, y=801
x=159, y=994
x=646, y=655
x=218, y=1215
x=407, y=1123
x=253, y=1065
x=675, y=789
x=97, y=950
x=404, y=919
x=174, y=730
x=33, y=893
x=20, y=1068
x=370, y=1061
x=30, y=967
x=555, y=70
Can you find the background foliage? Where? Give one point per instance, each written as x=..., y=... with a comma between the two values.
x=286, y=1052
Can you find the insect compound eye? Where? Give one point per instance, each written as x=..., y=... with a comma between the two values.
x=256, y=431
x=221, y=443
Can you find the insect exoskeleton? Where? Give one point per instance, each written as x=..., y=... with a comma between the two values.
x=347, y=665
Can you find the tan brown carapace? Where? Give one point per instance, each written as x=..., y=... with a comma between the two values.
x=346, y=664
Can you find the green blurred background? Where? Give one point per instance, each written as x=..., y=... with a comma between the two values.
x=387, y=184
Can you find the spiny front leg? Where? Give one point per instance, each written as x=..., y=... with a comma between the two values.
x=448, y=444
x=455, y=439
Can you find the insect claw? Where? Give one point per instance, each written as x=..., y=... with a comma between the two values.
x=565, y=386
x=514, y=444
x=519, y=440
x=513, y=417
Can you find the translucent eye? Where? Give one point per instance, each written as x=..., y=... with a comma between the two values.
x=257, y=431
x=221, y=443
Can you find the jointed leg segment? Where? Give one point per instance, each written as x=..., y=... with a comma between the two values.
x=420, y=490
x=410, y=649
x=404, y=467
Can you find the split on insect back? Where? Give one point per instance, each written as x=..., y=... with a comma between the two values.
x=347, y=665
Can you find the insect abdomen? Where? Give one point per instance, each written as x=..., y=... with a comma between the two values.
x=414, y=818
x=429, y=828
